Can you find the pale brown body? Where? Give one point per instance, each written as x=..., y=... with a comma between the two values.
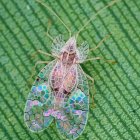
x=64, y=74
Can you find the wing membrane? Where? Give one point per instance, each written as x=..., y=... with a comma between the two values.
x=75, y=110
x=83, y=51
x=57, y=45
x=40, y=101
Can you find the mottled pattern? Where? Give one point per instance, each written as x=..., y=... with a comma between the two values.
x=75, y=110
x=71, y=118
x=76, y=113
x=63, y=77
x=83, y=51
x=57, y=45
x=39, y=101
x=59, y=92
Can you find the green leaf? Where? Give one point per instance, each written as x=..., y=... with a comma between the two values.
x=23, y=26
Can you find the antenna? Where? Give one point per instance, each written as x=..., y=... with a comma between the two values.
x=94, y=16
x=45, y=5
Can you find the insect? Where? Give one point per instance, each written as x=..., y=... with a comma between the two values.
x=61, y=90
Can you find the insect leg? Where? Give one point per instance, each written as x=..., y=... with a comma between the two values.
x=34, y=69
x=99, y=58
x=101, y=42
x=40, y=62
x=42, y=52
x=90, y=78
x=47, y=33
x=92, y=86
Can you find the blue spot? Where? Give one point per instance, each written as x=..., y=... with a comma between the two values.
x=40, y=88
x=33, y=88
x=79, y=98
x=67, y=110
x=73, y=111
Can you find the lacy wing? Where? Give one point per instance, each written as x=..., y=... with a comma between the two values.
x=75, y=111
x=40, y=101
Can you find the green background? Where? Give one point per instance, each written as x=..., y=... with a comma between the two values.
x=23, y=26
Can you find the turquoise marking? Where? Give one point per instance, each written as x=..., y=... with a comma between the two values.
x=41, y=75
x=73, y=98
x=81, y=94
x=71, y=101
x=44, y=87
x=46, y=96
x=46, y=91
x=40, y=104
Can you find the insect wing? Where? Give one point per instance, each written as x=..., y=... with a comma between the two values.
x=57, y=45
x=40, y=101
x=83, y=51
x=58, y=77
x=74, y=114
x=70, y=80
